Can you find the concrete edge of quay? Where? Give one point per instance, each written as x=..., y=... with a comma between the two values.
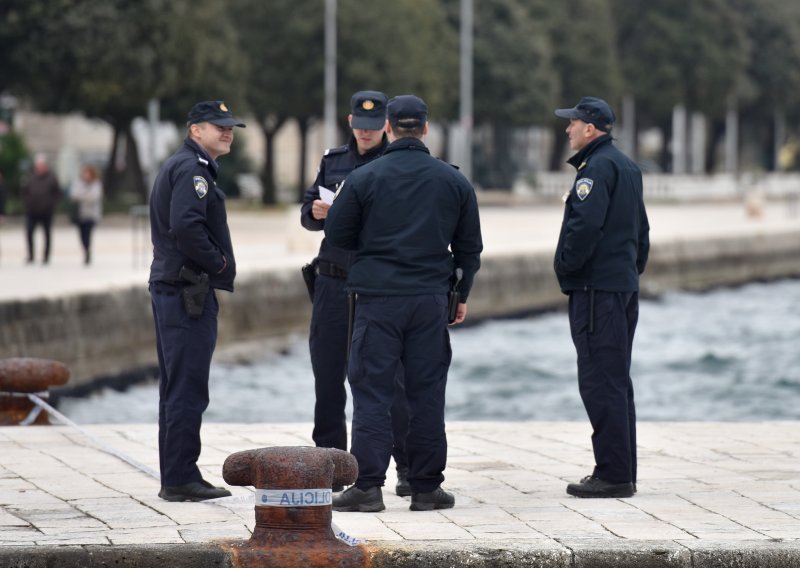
x=565, y=553
x=102, y=335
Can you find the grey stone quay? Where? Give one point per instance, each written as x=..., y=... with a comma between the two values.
x=709, y=495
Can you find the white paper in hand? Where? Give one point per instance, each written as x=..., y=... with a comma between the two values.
x=325, y=194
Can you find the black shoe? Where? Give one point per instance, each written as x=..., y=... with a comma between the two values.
x=195, y=491
x=591, y=486
x=337, y=488
x=403, y=488
x=437, y=499
x=356, y=500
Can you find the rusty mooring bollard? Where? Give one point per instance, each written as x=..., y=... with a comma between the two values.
x=293, y=506
x=22, y=376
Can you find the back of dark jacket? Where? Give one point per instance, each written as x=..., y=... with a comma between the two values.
x=41, y=194
x=188, y=221
x=403, y=214
x=604, y=240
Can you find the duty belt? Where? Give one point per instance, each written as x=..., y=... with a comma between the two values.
x=327, y=268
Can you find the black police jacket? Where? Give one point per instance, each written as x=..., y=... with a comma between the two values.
x=336, y=164
x=188, y=221
x=604, y=240
x=403, y=214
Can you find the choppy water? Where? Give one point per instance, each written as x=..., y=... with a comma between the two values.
x=729, y=354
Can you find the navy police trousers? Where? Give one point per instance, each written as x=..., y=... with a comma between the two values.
x=602, y=326
x=328, y=346
x=410, y=331
x=185, y=347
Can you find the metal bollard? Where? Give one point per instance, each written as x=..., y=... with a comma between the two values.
x=22, y=376
x=293, y=506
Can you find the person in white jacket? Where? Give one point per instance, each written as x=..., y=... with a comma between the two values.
x=87, y=197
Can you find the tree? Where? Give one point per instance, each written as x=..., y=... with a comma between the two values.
x=690, y=52
x=514, y=81
x=771, y=92
x=398, y=47
x=583, y=36
x=283, y=43
x=107, y=59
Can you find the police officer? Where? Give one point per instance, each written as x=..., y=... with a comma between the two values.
x=602, y=250
x=192, y=256
x=412, y=220
x=329, y=316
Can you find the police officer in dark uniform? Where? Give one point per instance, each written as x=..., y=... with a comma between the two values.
x=192, y=256
x=602, y=250
x=412, y=220
x=329, y=316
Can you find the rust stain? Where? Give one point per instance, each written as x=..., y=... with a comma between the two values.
x=293, y=536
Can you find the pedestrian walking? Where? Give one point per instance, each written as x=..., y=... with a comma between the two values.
x=40, y=197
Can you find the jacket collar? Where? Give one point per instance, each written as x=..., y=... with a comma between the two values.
x=196, y=148
x=584, y=153
x=409, y=143
x=370, y=154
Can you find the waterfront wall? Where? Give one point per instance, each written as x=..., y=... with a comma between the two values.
x=106, y=334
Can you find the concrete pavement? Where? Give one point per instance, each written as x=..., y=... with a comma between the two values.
x=709, y=494
x=275, y=239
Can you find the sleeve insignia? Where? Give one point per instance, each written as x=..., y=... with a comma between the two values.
x=339, y=189
x=583, y=187
x=200, y=186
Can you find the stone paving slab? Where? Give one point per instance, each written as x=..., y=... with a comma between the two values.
x=709, y=494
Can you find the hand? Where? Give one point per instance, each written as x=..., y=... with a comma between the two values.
x=461, y=314
x=319, y=210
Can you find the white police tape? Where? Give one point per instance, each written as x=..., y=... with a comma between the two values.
x=293, y=497
x=346, y=538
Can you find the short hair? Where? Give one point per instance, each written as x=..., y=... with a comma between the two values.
x=414, y=130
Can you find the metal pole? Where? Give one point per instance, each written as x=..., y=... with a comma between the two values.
x=330, y=73
x=466, y=86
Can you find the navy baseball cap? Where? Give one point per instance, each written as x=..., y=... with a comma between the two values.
x=407, y=111
x=214, y=112
x=591, y=110
x=368, y=110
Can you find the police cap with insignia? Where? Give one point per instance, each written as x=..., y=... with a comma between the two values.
x=368, y=110
x=591, y=110
x=215, y=112
x=407, y=111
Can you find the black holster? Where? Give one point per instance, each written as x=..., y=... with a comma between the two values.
x=194, y=295
x=309, y=272
x=454, y=296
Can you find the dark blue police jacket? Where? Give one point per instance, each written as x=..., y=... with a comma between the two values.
x=188, y=222
x=604, y=240
x=334, y=167
x=403, y=214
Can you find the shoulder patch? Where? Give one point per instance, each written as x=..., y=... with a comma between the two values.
x=336, y=150
x=200, y=186
x=583, y=187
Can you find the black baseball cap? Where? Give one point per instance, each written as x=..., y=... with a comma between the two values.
x=407, y=111
x=368, y=110
x=214, y=112
x=591, y=110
